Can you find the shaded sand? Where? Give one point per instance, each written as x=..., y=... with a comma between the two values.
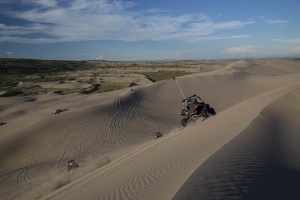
x=236, y=154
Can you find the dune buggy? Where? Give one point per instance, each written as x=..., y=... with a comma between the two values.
x=193, y=108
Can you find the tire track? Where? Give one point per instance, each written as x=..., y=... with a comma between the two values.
x=81, y=99
x=23, y=176
x=75, y=138
x=59, y=134
x=102, y=121
x=125, y=110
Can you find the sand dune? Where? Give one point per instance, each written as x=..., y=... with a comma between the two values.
x=237, y=154
x=260, y=163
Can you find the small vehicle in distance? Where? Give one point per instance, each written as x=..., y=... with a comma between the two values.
x=56, y=111
x=157, y=135
x=72, y=165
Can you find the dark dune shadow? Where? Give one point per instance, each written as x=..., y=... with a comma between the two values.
x=63, y=110
x=277, y=184
x=57, y=111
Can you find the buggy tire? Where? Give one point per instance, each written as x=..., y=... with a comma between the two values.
x=207, y=106
x=204, y=113
x=212, y=111
x=184, y=122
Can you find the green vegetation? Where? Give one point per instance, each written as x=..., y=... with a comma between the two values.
x=105, y=87
x=46, y=78
x=163, y=75
x=67, y=91
x=111, y=86
x=33, y=71
x=21, y=67
x=36, y=90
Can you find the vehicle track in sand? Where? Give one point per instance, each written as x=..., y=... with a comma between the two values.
x=122, y=116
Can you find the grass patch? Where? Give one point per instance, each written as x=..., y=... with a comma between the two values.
x=36, y=90
x=34, y=66
x=111, y=86
x=15, y=91
x=55, y=78
x=105, y=87
x=32, y=70
x=163, y=75
x=67, y=91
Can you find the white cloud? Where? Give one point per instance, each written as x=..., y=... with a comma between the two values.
x=28, y=40
x=219, y=37
x=293, y=51
x=83, y=20
x=99, y=57
x=243, y=50
x=258, y=51
x=293, y=41
x=9, y=53
x=44, y=3
x=277, y=22
x=21, y=30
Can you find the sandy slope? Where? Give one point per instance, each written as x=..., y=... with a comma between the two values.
x=110, y=136
x=260, y=163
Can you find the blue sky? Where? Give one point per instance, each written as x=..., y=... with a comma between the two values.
x=149, y=29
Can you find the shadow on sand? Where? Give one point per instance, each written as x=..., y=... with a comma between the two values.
x=279, y=183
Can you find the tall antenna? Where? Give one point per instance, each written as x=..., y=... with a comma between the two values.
x=179, y=87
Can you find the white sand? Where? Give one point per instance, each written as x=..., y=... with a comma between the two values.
x=237, y=154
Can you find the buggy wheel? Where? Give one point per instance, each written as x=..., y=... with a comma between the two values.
x=212, y=111
x=184, y=122
x=204, y=113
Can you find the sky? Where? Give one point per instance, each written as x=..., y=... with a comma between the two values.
x=145, y=30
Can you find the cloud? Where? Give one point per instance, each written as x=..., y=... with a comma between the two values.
x=49, y=21
x=218, y=37
x=243, y=50
x=99, y=57
x=277, y=22
x=293, y=41
x=293, y=51
x=44, y=3
x=9, y=53
x=263, y=51
x=28, y=40
x=22, y=30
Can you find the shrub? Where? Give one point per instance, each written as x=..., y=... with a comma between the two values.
x=163, y=75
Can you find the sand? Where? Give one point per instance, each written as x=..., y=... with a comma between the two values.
x=249, y=150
